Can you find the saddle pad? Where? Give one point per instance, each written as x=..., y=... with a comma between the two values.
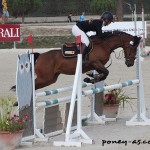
x=70, y=51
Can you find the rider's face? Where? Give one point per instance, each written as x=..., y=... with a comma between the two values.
x=106, y=22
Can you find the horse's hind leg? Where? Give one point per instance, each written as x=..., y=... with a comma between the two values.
x=41, y=82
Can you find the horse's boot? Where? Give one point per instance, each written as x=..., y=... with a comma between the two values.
x=84, y=51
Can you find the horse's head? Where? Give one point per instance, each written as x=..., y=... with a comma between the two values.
x=130, y=44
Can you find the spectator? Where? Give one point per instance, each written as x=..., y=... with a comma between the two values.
x=82, y=17
x=69, y=18
x=115, y=18
x=5, y=11
x=1, y=11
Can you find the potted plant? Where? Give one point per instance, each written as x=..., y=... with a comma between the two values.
x=113, y=99
x=11, y=125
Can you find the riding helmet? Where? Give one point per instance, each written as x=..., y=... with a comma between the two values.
x=107, y=15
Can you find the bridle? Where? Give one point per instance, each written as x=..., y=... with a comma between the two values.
x=128, y=57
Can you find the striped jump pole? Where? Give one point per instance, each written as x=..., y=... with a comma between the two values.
x=55, y=101
x=110, y=87
x=56, y=91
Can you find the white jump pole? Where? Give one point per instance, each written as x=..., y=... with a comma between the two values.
x=135, y=26
x=36, y=131
x=140, y=118
x=79, y=136
x=143, y=25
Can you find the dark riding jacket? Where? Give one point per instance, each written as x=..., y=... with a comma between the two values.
x=93, y=25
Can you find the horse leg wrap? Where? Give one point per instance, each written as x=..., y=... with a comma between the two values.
x=98, y=77
x=90, y=74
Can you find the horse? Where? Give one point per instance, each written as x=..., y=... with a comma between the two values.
x=51, y=64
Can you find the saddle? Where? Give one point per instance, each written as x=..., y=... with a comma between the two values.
x=73, y=49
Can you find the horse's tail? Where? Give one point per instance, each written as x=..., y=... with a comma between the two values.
x=36, y=55
x=13, y=88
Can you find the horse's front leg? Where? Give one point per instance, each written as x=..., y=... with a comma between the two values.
x=102, y=73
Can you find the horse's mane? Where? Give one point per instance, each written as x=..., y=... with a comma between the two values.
x=114, y=32
x=117, y=32
x=136, y=39
x=96, y=38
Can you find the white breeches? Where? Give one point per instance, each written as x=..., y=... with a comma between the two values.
x=76, y=31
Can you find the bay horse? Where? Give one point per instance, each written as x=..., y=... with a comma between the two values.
x=51, y=64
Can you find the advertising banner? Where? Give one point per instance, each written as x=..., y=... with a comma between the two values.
x=128, y=27
x=9, y=32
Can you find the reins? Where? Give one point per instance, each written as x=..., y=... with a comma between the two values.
x=121, y=51
x=123, y=45
x=120, y=54
x=109, y=64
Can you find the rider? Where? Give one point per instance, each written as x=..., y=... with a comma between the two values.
x=81, y=28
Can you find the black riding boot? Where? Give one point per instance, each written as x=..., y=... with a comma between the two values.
x=84, y=51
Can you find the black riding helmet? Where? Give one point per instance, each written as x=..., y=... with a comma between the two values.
x=107, y=15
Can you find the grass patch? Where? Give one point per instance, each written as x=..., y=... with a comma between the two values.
x=40, y=42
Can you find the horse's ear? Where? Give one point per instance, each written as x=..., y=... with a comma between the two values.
x=139, y=38
x=136, y=40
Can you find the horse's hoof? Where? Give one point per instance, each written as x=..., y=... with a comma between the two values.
x=87, y=80
x=93, y=82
